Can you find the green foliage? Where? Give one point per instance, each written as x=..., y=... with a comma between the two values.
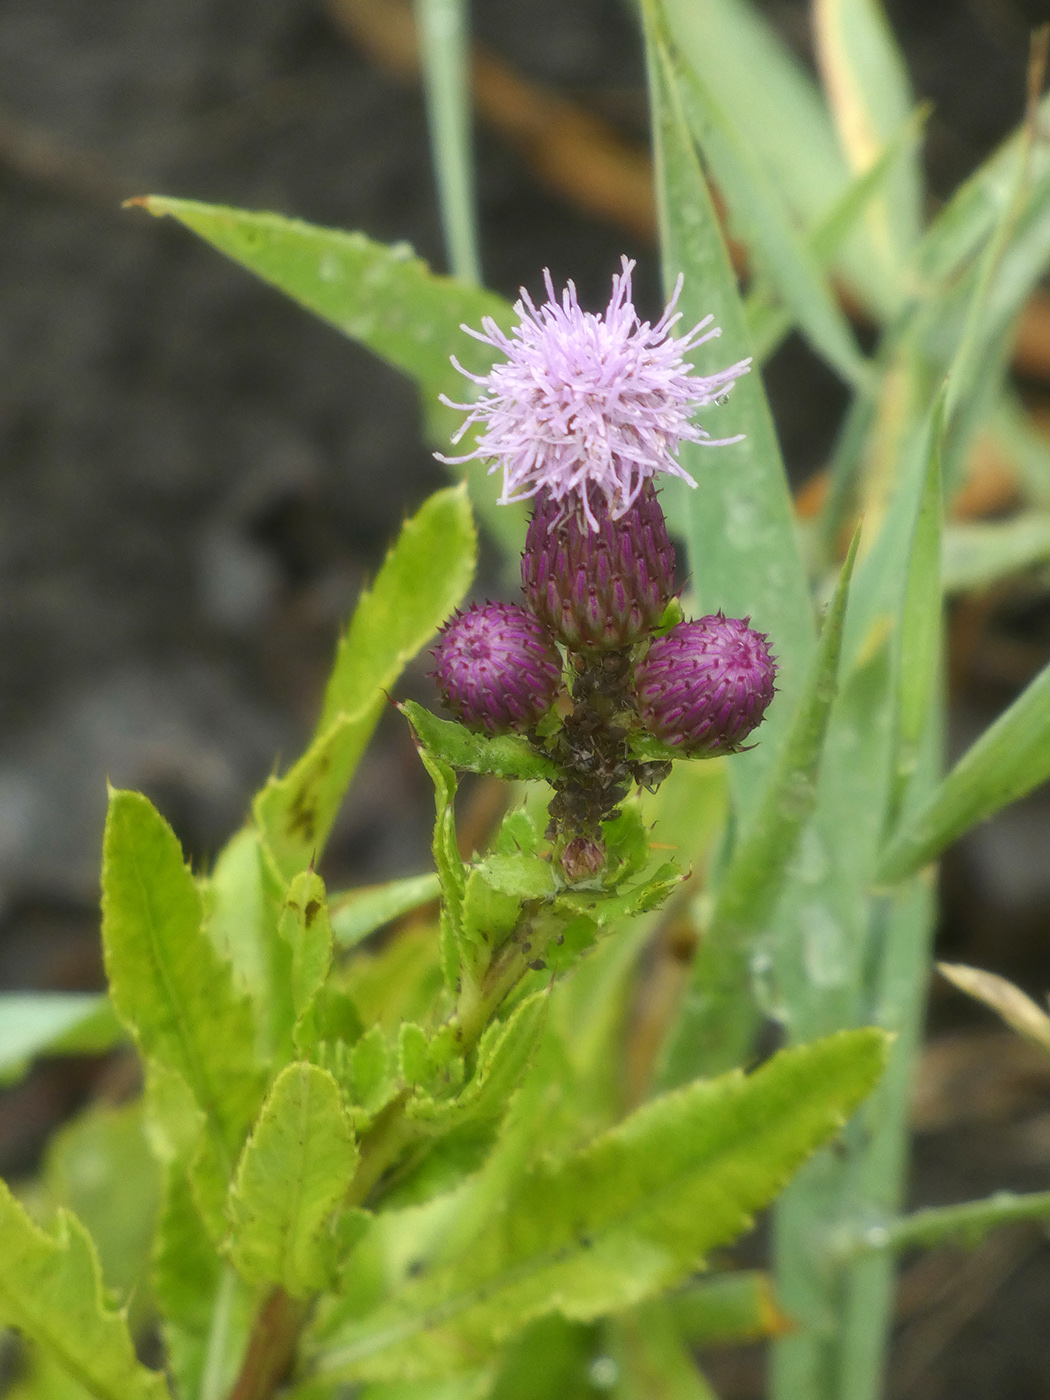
x=625, y=1218
x=506, y=755
x=100, y=1168
x=51, y=1290
x=52, y=1023
x=170, y=987
x=1007, y=761
x=718, y=1020
x=739, y=525
x=294, y=1171
x=359, y=913
x=422, y=579
x=382, y=296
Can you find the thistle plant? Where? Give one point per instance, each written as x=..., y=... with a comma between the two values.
x=453, y=1136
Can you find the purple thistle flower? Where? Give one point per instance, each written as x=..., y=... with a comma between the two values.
x=706, y=685
x=598, y=589
x=588, y=401
x=496, y=668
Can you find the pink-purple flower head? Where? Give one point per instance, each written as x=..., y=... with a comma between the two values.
x=585, y=401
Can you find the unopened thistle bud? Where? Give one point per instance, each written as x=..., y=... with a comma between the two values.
x=496, y=667
x=706, y=685
x=603, y=589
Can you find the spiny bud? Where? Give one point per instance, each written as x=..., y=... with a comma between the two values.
x=582, y=859
x=598, y=589
x=496, y=668
x=704, y=686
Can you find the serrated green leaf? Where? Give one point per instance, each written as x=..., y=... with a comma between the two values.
x=518, y=834
x=488, y=919
x=168, y=985
x=1009, y=759
x=51, y=1290
x=718, y=1018
x=625, y=1218
x=760, y=215
x=294, y=1172
x=504, y=1054
x=56, y=1023
x=367, y=1072
x=358, y=913
x=424, y=576
x=304, y=926
x=506, y=755
x=739, y=525
x=242, y=902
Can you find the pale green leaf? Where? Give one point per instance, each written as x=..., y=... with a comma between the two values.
x=358, y=913
x=100, y=1167
x=444, y=42
x=168, y=985
x=422, y=579
x=242, y=902
x=1009, y=759
x=652, y=1359
x=52, y=1023
x=206, y=1311
x=624, y=1219
x=51, y=1290
x=723, y=1308
x=719, y=1016
x=739, y=523
x=382, y=296
x=870, y=96
x=978, y=553
x=978, y=205
x=920, y=625
x=304, y=926
x=294, y=1172
x=760, y=216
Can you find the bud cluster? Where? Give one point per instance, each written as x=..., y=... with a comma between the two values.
x=581, y=417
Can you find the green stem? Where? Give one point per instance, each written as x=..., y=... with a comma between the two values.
x=967, y=1222
x=215, y=1357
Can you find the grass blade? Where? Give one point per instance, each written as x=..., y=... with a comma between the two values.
x=444, y=41
x=1009, y=759
x=867, y=84
x=720, y=1016
x=739, y=523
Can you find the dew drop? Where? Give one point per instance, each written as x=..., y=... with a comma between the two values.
x=603, y=1373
